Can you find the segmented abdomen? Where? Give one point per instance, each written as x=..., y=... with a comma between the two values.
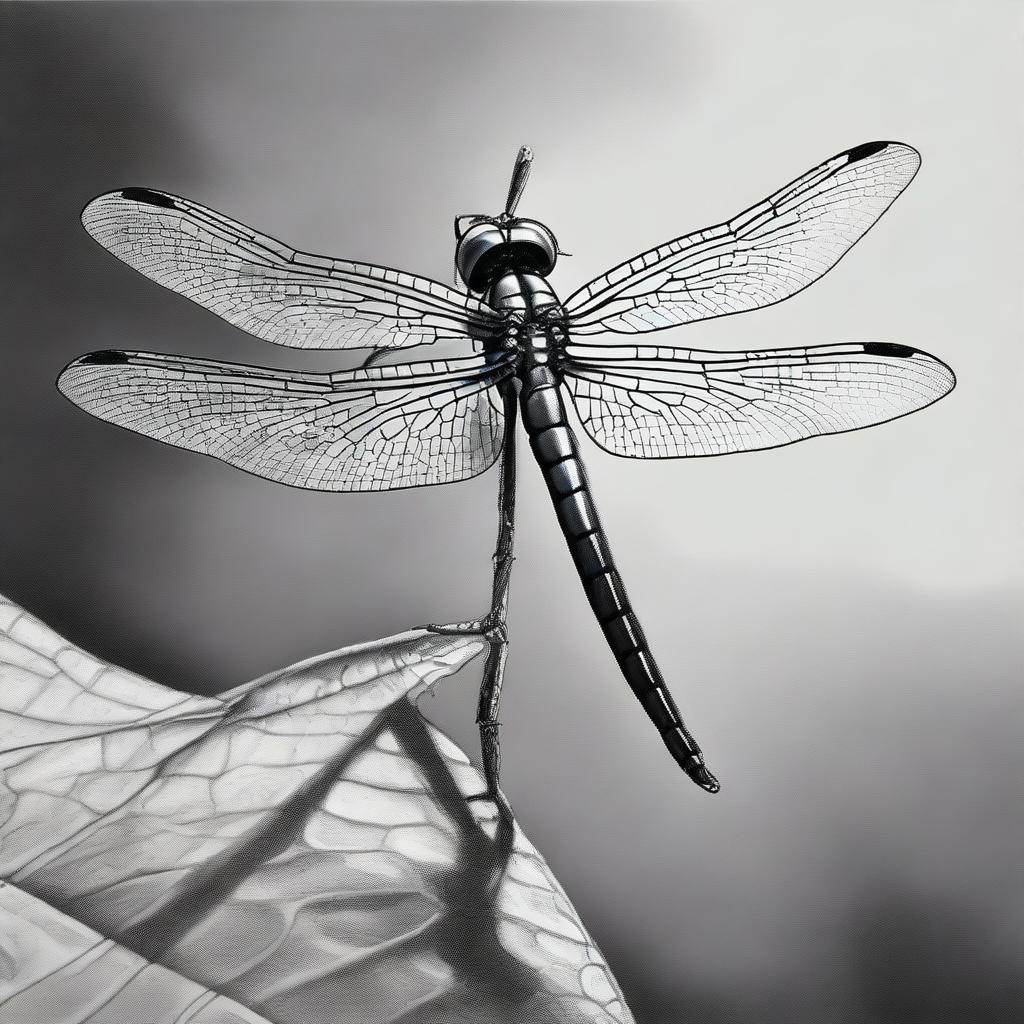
x=554, y=447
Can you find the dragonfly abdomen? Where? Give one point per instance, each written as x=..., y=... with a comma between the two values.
x=554, y=446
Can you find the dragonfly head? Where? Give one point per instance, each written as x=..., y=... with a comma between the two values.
x=489, y=247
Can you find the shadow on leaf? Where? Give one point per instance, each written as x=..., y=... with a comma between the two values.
x=304, y=847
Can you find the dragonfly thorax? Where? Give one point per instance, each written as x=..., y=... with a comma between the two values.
x=526, y=296
x=490, y=248
x=535, y=320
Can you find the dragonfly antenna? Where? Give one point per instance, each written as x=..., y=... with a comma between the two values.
x=519, y=176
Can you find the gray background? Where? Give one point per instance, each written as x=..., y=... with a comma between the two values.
x=840, y=620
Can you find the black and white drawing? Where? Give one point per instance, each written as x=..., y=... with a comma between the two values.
x=459, y=813
x=414, y=424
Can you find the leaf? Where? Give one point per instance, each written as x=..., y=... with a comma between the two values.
x=55, y=969
x=300, y=849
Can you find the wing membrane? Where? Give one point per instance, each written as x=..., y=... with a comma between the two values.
x=272, y=291
x=760, y=257
x=373, y=429
x=658, y=402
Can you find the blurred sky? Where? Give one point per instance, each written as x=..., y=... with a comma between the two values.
x=840, y=620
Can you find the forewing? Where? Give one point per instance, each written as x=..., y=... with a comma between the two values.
x=373, y=429
x=760, y=257
x=271, y=290
x=667, y=403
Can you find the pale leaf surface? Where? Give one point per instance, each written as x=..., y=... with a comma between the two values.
x=56, y=969
x=300, y=849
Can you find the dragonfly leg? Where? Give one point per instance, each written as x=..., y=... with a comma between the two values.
x=494, y=622
x=487, y=716
x=492, y=625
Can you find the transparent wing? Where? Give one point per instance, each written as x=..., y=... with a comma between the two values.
x=760, y=257
x=373, y=429
x=271, y=290
x=668, y=403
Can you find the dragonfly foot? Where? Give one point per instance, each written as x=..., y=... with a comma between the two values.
x=494, y=630
x=458, y=628
x=491, y=627
x=497, y=799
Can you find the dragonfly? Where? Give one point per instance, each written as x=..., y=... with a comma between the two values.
x=389, y=425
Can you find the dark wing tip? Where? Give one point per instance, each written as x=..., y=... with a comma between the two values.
x=108, y=357
x=864, y=150
x=148, y=196
x=893, y=351
x=888, y=348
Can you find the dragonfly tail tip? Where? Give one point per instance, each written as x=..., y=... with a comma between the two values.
x=705, y=779
x=688, y=756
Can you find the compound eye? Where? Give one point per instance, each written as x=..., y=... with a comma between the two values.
x=541, y=230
